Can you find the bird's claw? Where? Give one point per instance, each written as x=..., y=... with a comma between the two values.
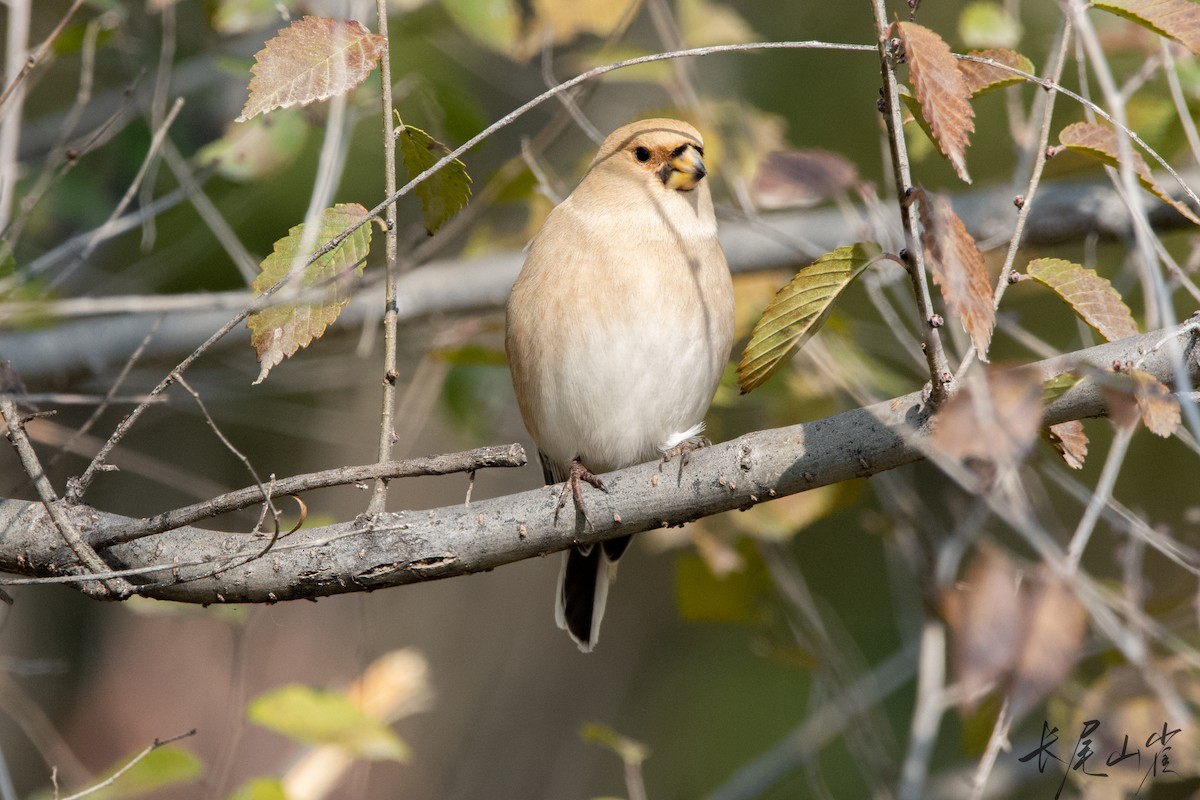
x=684, y=450
x=576, y=475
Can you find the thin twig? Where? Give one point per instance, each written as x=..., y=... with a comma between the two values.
x=39, y=54
x=111, y=396
x=116, y=587
x=1035, y=177
x=387, y=413
x=927, y=714
x=941, y=380
x=263, y=493
x=151, y=154
x=1100, y=495
x=110, y=780
x=512, y=455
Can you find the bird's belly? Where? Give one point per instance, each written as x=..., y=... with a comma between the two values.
x=620, y=391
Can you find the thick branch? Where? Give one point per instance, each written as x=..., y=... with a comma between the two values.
x=407, y=547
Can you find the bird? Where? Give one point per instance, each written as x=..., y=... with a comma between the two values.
x=618, y=330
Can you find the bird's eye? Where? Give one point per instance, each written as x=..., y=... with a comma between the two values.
x=642, y=154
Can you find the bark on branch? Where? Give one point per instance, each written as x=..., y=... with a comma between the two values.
x=392, y=549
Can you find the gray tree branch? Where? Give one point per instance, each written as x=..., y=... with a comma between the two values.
x=204, y=566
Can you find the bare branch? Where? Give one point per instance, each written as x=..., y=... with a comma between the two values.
x=413, y=546
x=512, y=455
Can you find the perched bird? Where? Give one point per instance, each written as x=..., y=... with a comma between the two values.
x=619, y=328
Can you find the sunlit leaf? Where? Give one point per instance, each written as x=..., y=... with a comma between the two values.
x=958, y=269
x=1178, y=19
x=161, y=768
x=986, y=24
x=941, y=91
x=260, y=789
x=312, y=59
x=802, y=178
x=394, y=685
x=984, y=78
x=313, y=716
x=799, y=309
x=1070, y=441
x=279, y=331
x=1100, y=142
x=445, y=192
x=1091, y=296
x=258, y=148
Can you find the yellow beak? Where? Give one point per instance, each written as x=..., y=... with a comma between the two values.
x=685, y=170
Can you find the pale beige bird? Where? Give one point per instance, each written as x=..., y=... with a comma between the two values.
x=619, y=328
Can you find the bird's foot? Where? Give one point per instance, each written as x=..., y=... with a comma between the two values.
x=684, y=450
x=577, y=475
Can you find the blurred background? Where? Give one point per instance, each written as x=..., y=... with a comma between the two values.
x=766, y=654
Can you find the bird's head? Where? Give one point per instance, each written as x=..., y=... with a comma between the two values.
x=670, y=150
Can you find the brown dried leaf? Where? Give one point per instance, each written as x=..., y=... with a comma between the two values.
x=312, y=59
x=802, y=178
x=1178, y=19
x=957, y=267
x=941, y=90
x=1100, y=142
x=983, y=78
x=991, y=425
x=1156, y=404
x=985, y=628
x=1012, y=632
x=1092, y=297
x=1054, y=622
x=1070, y=440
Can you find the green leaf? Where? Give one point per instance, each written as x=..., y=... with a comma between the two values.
x=258, y=148
x=628, y=750
x=313, y=716
x=1059, y=385
x=163, y=767
x=985, y=24
x=1092, y=297
x=1177, y=19
x=279, y=331
x=445, y=192
x=260, y=789
x=799, y=309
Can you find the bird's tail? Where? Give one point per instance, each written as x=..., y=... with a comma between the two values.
x=583, y=589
